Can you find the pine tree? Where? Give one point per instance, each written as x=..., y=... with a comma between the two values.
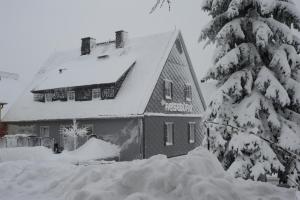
x=257, y=67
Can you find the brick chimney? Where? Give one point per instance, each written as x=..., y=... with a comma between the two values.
x=87, y=44
x=121, y=38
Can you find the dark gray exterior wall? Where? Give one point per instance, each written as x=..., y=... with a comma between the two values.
x=154, y=136
x=177, y=70
x=126, y=133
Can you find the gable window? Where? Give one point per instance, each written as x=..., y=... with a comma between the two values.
x=168, y=88
x=188, y=92
x=169, y=133
x=178, y=46
x=44, y=131
x=71, y=95
x=191, y=132
x=96, y=93
x=48, y=97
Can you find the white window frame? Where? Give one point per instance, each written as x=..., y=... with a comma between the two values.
x=169, y=133
x=168, y=89
x=96, y=93
x=192, y=132
x=48, y=97
x=43, y=132
x=188, y=92
x=71, y=93
x=38, y=97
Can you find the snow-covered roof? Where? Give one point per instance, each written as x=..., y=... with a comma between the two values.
x=149, y=53
x=10, y=88
x=88, y=70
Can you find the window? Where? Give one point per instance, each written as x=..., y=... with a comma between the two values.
x=44, y=131
x=48, y=97
x=71, y=95
x=178, y=46
x=168, y=89
x=96, y=93
x=169, y=133
x=191, y=131
x=108, y=93
x=90, y=128
x=188, y=92
x=39, y=97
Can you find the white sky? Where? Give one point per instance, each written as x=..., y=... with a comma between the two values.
x=32, y=30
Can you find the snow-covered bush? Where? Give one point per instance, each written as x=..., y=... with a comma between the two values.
x=71, y=135
x=257, y=67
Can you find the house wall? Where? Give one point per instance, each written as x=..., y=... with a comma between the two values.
x=155, y=132
x=177, y=70
x=125, y=133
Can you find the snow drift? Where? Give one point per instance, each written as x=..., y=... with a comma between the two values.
x=93, y=149
x=197, y=175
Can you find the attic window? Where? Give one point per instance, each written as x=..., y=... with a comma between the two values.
x=96, y=93
x=168, y=89
x=71, y=95
x=39, y=97
x=178, y=46
x=48, y=97
x=188, y=92
x=103, y=56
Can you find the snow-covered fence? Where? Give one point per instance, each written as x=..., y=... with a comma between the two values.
x=10, y=141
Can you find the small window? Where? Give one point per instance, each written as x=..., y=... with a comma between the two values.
x=169, y=133
x=168, y=89
x=39, y=97
x=48, y=97
x=96, y=93
x=188, y=92
x=71, y=95
x=191, y=131
x=44, y=131
x=90, y=128
x=178, y=46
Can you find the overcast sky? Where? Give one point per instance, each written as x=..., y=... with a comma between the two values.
x=32, y=30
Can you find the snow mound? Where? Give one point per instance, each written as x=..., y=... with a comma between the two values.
x=25, y=153
x=93, y=149
x=197, y=175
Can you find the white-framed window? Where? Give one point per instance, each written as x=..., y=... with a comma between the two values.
x=96, y=93
x=71, y=95
x=44, y=131
x=38, y=97
x=169, y=133
x=168, y=88
x=188, y=92
x=48, y=97
x=90, y=128
x=191, y=132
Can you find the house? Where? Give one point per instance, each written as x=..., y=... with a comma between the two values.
x=139, y=93
x=8, y=83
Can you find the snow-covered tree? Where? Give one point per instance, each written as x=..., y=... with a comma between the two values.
x=73, y=132
x=257, y=67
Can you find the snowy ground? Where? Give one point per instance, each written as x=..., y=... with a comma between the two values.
x=197, y=175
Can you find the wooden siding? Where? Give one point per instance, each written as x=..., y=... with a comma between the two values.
x=177, y=70
x=154, y=135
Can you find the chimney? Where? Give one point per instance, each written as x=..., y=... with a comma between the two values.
x=87, y=44
x=121, y=38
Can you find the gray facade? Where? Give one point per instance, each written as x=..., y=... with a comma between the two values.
x=144, y=135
